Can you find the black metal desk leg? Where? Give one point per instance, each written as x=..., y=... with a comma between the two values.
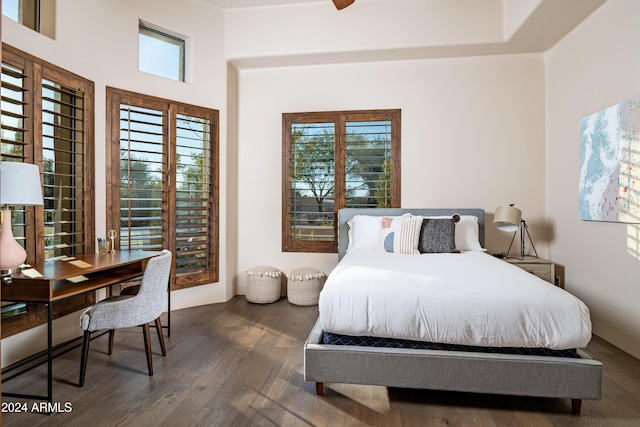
x=49, y=353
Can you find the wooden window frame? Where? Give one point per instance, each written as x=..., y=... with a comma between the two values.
x=116, y=97
x=35, y=70
x=340, y=119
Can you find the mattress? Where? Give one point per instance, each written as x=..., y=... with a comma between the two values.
x=469, y=298
x=336, y=339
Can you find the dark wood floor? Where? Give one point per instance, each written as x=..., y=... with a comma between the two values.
x=241, y=364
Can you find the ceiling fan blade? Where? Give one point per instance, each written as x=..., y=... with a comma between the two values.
x=341, y=4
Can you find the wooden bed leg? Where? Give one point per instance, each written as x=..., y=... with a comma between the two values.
x=319, y=388
x=576, y=405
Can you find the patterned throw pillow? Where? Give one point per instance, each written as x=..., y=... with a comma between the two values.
x=438, y=235
x=401, y=235
x=365, y=232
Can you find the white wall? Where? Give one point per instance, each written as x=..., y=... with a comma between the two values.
x=472, y=136
x=594, y=67
x=311, y=28
x=98, y=40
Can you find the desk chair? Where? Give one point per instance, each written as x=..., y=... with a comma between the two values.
x=133, y=290
x=125, y=311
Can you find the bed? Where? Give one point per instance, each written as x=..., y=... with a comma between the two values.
x=436, y=368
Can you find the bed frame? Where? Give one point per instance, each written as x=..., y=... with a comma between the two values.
x=520, y=375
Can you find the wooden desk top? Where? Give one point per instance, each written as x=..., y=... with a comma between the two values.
x=100, y=271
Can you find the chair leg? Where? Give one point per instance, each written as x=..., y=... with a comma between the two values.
x=86, y=339
x=112, y=334
x=160, y=336
x=147, y=347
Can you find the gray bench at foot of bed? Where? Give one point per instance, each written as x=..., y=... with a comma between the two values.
x=573, y=378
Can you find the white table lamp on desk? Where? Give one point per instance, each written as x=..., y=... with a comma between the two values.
x=20, y=185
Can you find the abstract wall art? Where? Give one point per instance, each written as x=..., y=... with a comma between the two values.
x=609, y=188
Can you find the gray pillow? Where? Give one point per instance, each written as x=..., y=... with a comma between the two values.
x=437, y=235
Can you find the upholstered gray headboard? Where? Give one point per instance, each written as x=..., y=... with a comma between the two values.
x=345, y=215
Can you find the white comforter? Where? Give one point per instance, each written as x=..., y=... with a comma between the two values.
x=470, y=298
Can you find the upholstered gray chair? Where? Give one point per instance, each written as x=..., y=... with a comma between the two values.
x=125, y=311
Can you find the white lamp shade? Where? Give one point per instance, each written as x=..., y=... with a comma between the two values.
x=20, y=184
x=507, y=218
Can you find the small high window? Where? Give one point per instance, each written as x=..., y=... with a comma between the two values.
x=26, y=12
x=161, y=54
x=35, y=14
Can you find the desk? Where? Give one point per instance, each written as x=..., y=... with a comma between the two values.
x=100, y=271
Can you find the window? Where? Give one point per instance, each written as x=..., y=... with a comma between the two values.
x=335, y=160
x=26, y=12
x=163, y=185
x=34, y=14
x=161, y=54
x=47, y=119
x=64, y=170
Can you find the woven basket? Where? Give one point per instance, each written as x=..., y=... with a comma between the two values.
x=304, y=286
x=263, y=284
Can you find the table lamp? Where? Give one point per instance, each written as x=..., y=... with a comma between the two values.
x=509, y=218
x=20, y=185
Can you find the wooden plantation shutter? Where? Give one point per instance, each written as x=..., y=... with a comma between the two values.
x=64, y=169
x=333, y=160
x=17, y=126
x=312, y=183
x=368, y=168
x=14, y=113
x=195, y=211
x=143, y=173
x=163, y=187
x=47, y=120
x=14, y=126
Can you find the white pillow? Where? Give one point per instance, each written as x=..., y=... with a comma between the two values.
x=467, y=235
x=365, y=232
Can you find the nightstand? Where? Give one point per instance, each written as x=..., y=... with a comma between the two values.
x=543, y=268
